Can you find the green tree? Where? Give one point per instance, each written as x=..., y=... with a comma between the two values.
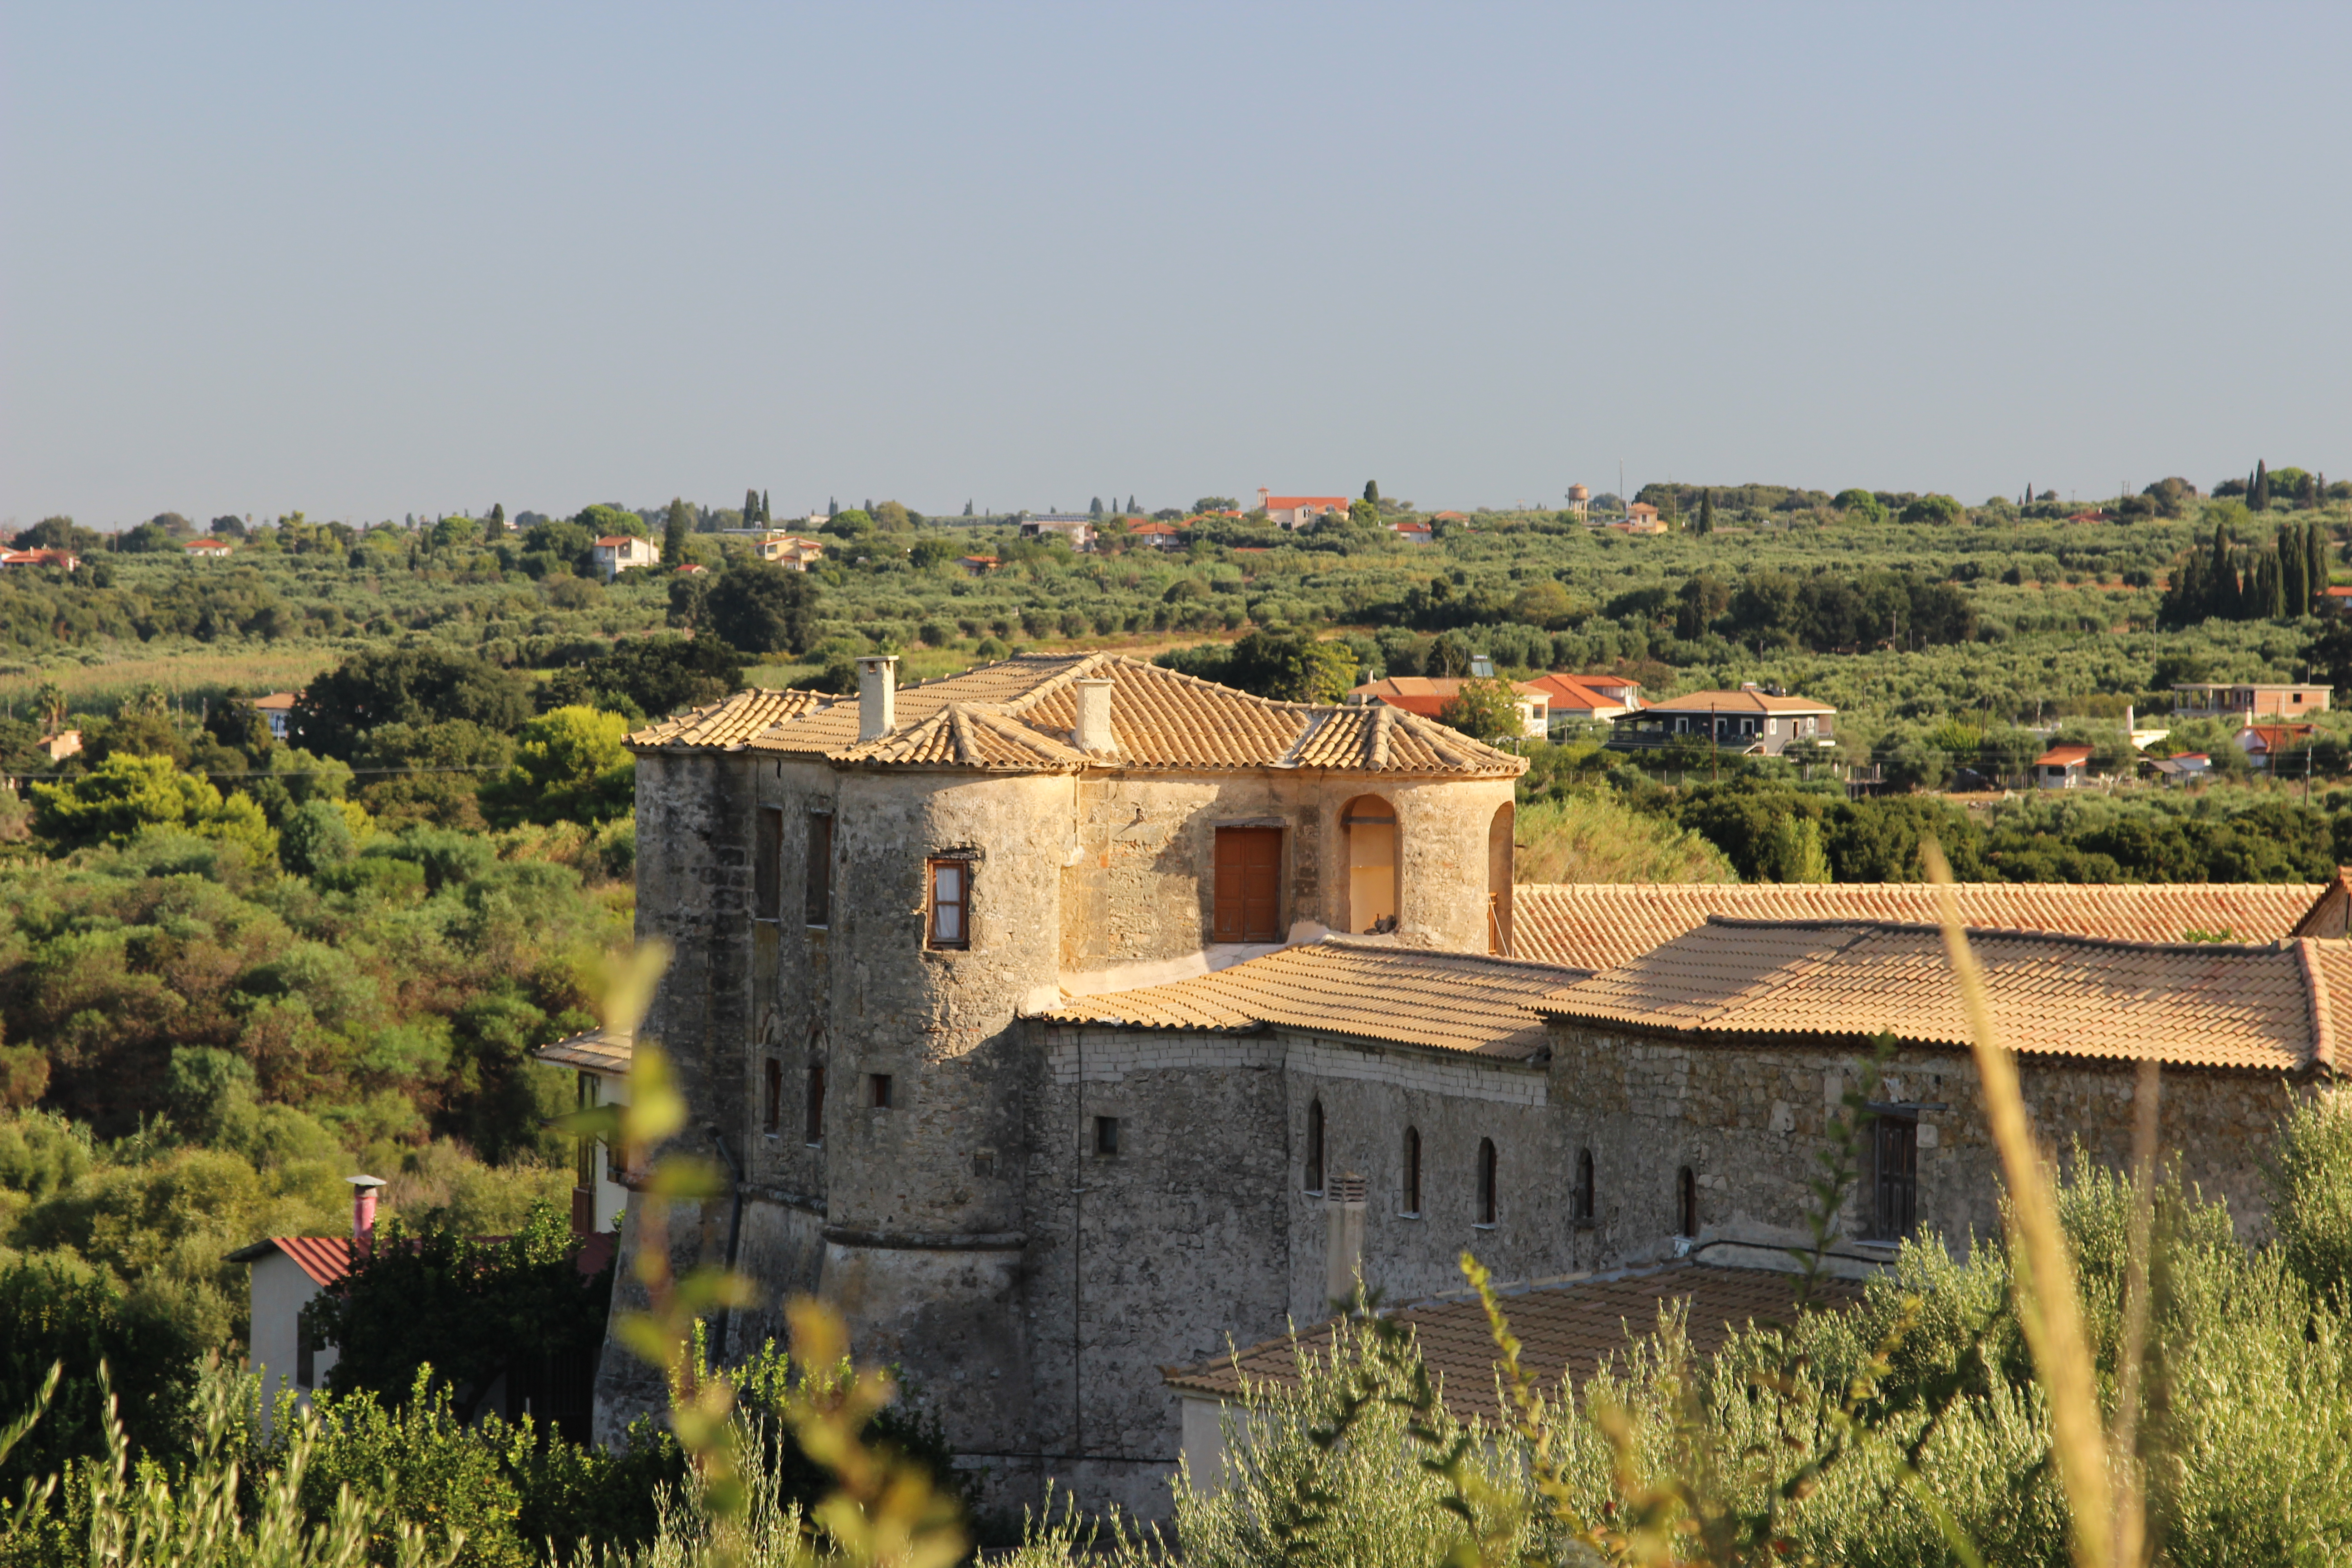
x=604, y=519
x=2258, y=489
x=498, y=524
x=469, y=1309
x=1544, y=603
x=1373, y=491
x=1860, y=506
x=1705, y=511
x=58, y=533
x=1485, y=710
x=679, y=527
x=571, y=765
x=2310, y=1178
x=1934, y=509
x=128, y=794
x=314, y=835
x=761, y=607
x=404, y=686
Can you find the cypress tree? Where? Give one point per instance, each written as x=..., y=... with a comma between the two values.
x=1706, y=512
x=2258, y=494
x=1096, y=509
x=2314, y=544
x=751, y=509
x=674, y=536
x=967, y=508
x=498, y=519
x=2295, y=590
x=2221, y=578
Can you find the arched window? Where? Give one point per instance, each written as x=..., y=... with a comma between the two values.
x=1499, y=844
x=1411, y=1196
x=1685, y=1203
x=1584, y=1185
x=1314, y=1145
x=1370, y=823
x=1486, y=1198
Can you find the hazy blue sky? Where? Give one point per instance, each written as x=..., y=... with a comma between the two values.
x=369, y=260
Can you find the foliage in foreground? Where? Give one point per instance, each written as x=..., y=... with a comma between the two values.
x=1924, y=1394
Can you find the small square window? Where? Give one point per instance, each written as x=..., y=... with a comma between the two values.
x=877, y=1090
x=1105, y=1135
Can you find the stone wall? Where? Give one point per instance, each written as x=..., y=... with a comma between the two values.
x=1748, y=1120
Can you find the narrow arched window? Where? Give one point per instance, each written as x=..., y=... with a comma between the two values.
x=1584, y=1185
x=1314, y=1145
x=1487, y=1197
x=1411, y=1196
x=1687, y=1203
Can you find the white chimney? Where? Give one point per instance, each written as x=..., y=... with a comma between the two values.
x=363, y=1206
x=878, y=696
x=1343, y=1236
x=1092, y=730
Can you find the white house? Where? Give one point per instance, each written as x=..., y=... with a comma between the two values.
x=1297, y=511
x=276, y=708
x=601, y=1059
x=2061, y=767
x=288, y=1273
x=616, y=553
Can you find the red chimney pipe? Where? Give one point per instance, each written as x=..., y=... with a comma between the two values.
x=363, y=1206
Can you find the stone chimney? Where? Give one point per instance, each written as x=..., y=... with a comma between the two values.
x=878, y=696
x=363, y=1206
x=1092, y=730
x=1343, y=1243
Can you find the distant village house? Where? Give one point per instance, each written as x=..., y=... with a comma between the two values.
x=1751, y=720
x=616, y=553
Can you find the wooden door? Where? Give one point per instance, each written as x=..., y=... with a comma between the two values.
x=1248, y=898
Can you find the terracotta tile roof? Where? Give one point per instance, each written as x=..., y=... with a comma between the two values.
x=1405, y=996
x=327, y=1259
x=731, y=722
x=2270, y=1008
x=1738, y=702
x=1018, y=714
x=1560, y=1327
x=2063, y=757
x=2271, y=737
x=595, y=1050
x=1599, y=925
x=1573, y=691
x=1285, y=503
x=277, y=702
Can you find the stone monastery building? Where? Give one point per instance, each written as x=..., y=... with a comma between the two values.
x=1071, y=1020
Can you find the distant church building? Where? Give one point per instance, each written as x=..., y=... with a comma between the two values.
x=1071, y=1020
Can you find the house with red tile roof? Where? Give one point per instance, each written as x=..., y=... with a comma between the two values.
x=214, y=548
x=2266, y=743
x=1428, y=695
x=1297, y=511
x=2061, y=767
x=65, y=560
x=616, y=553
x=1587, y=697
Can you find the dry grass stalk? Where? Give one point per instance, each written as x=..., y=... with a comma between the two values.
x=2048, y=1309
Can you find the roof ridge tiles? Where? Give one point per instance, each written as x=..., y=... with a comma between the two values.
x=2322, y=1029
x=2054, y=938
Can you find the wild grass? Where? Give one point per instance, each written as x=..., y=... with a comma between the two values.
x=103, y=685
x=1592, y=837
